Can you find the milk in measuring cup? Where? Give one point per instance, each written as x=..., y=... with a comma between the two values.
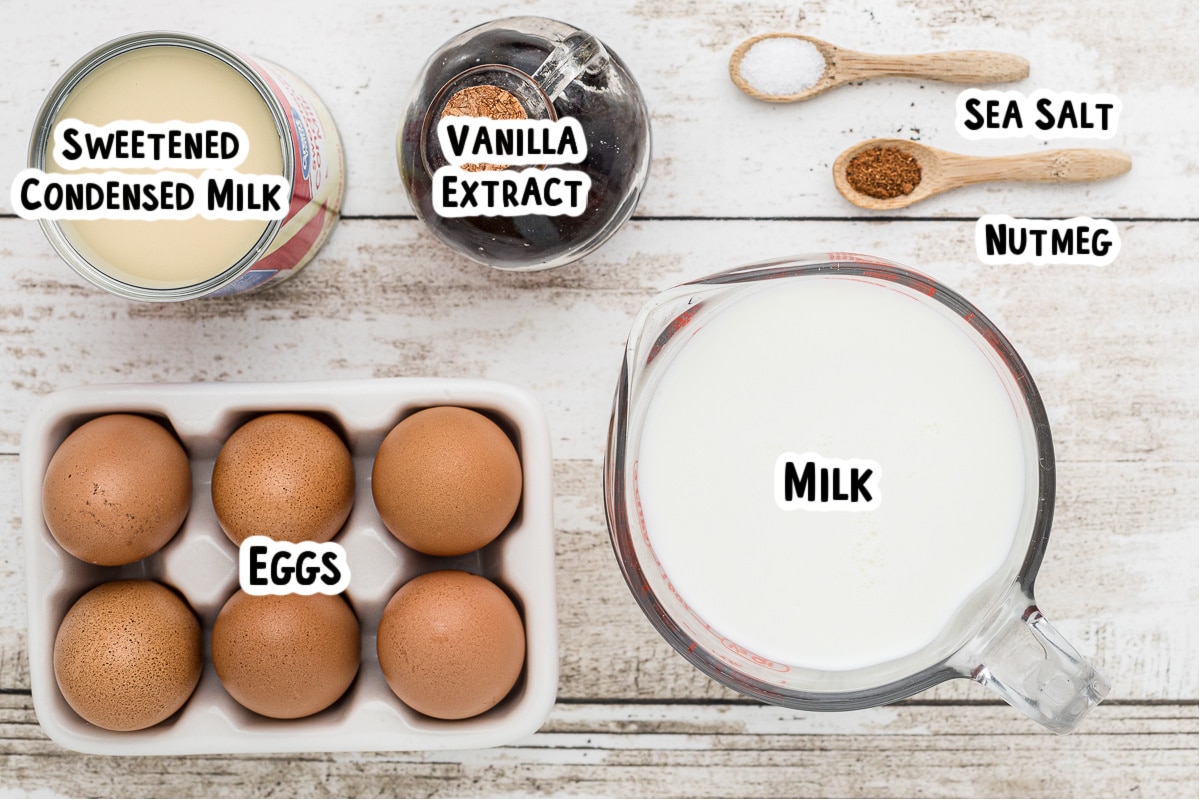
x=851, y=370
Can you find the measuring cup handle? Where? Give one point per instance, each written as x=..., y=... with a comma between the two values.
x=1029, y=664
x=577, y=54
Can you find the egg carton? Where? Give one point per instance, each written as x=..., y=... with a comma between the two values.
x=202, y=563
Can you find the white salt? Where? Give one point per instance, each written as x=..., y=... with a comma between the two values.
x=782, y=65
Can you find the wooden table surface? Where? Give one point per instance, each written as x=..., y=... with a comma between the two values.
x=1113, y=350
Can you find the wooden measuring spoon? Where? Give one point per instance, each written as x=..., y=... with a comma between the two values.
x=942, y=171
x=844, y=66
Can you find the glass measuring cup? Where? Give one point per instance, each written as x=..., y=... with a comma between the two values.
x=553, y=71
x=988, y=628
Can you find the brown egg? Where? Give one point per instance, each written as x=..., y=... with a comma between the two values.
x=286, y=656
x=451, y=644
x=116, y=490
x=128, y=655
x=286, y=476
x=446, y=481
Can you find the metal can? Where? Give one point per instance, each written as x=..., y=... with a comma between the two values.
x=312, y=165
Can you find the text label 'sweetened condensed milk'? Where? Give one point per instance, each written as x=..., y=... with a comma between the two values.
x=829, y=469
x=145, y=92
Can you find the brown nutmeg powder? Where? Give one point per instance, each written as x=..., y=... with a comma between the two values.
x=484, y=101
x=883, y=173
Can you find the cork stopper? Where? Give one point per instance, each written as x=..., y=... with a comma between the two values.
x=484, y=101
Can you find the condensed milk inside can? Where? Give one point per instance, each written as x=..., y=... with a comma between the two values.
x=233, y=164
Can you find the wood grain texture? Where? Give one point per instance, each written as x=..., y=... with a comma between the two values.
x=1113, y=582
x=717, y=152
x=1115, y=352
x=969, y=66
x=654, y=750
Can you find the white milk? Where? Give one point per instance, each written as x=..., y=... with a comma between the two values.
x=160, y=84
x=847, y=369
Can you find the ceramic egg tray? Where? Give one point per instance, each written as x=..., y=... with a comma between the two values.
x=201, y=562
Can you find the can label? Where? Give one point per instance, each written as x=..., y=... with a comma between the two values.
x=318, y=183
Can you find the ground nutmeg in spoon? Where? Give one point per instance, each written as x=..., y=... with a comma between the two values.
x=883, y=172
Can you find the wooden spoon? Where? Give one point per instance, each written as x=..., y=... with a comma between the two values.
x=844, y=66
x=942, y=171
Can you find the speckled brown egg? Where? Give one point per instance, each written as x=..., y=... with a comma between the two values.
x=116, y=490
x=286, y=656
x=286, y=476
x=446, y=481
x=128, y=655
x=451, y=644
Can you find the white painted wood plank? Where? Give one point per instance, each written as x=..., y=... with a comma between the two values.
x=1119, y=581
x=1113, y=350
x=680, y=751
x=717, y=153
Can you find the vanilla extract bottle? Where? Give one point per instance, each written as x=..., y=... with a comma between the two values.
x=525, y=145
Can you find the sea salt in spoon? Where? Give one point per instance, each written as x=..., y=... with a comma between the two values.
x=942, y=171
x=788, y=67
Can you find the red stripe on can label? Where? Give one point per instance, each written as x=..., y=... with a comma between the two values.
x=317, y=182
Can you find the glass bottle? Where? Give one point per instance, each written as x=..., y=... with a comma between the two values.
x=541, y=69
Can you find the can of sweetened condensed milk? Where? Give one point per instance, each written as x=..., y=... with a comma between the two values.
x=247, y=145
